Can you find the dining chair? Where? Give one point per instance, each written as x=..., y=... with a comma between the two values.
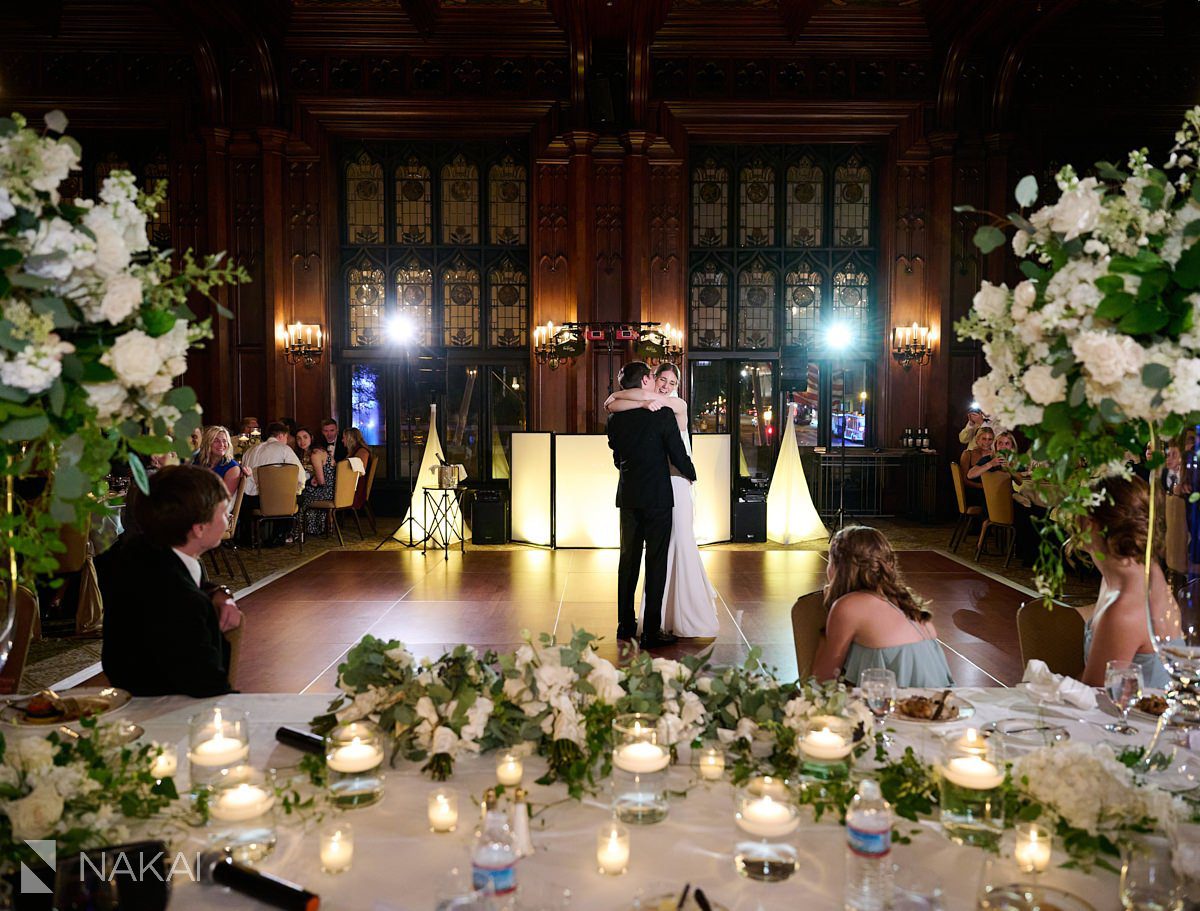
x=369, y=485
x=808, y=629
x=966, y=514
x=277, y=498
x=997, y=493
x=345, y=482
x=228, y=543
x=24, y=618
x=1052, y=634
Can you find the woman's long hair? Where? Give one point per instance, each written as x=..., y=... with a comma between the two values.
x=1122, y=517
x=207, y=457
x=863, y=561
x=356, y=441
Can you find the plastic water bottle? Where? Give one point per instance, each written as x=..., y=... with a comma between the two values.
x=494, y=860
x=868, y=850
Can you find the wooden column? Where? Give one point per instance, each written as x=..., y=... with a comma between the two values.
x=580, y=378
x=305, y=279
x=552, y=297
x=212, y=203
x=942, y=411
x=278, y=308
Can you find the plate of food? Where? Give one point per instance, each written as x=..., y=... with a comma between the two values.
x=932, y=707
x=1150, y=707
x=49, y=707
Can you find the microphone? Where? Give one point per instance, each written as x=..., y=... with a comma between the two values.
x=218, y=868
x=301, y=740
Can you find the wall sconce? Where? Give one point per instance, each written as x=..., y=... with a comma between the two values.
x=305, y=344
x=554, y=344
x=911, y=345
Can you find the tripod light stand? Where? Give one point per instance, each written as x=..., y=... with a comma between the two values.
x=402, y=331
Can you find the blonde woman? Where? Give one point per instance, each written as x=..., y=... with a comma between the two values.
x=216, y=450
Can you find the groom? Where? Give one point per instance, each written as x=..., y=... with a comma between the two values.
x=642, y=442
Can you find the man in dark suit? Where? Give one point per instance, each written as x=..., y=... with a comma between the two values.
x=163, y=634
x=643, y=442
x=333, y=440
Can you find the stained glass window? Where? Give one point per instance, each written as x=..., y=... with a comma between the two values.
x=460, y=304
x=801, y=304
x=158, y=224
x=710, y=307
x=364, y=200
x=366, y=409
x=460, y=202
x=414, y=203
x=710, y=205
x=805, y=204
x=414, y=297
x=507, y=188
x=508, y=290
x=756, y=306
x=852, y=204
x=851, y=299
x=756, y=205
x=364, y=282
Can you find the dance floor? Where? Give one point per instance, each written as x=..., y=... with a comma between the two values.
x=300, y=626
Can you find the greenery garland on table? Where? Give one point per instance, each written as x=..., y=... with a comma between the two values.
x=559, y=700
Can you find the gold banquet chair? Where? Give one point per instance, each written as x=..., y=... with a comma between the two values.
x=1053, y=635
x=228, y=541
x=808, y=629
x=277, y=498
x=24, y=620
x=997, y=493
x=966, y=514
x=345, y=481
x=369, y=481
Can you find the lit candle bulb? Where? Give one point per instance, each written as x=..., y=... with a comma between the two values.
x=823, y=743
x=509, y=770
x=973, y=773
x=767, y=818
x=443, y=810
x=1032, y=849
x=165, y=764
x=641, y=757
x=712, y=764
x=245, y=801
x=612, y=849
x=337, y=848
x=355, y=756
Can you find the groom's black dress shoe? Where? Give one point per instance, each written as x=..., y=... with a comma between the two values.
x=626, y=633
x=657, y=640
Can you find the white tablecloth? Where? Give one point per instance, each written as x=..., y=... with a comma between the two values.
x=397, y=861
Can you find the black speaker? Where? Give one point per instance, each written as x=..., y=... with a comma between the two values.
x=600, y=102
x=749, y=521
x=489, y=519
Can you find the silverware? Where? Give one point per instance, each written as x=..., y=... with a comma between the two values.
x=937, y=713
x=683, y=897
x=702, y=900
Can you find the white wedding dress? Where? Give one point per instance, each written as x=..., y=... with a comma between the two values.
x=689, y=599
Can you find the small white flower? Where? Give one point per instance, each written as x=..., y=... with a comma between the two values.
x=122, y=297
x=33, y=753
x=56, y=121
x=1107, y=356
x=1077, y=210
x=444, y=741
x=1020, y=242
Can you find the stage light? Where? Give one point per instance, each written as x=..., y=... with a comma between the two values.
x=839, y=336
x=401, y=329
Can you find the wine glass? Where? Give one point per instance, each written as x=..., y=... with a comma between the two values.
x=1123, y=681
x=1148, y=881
x=878, y=685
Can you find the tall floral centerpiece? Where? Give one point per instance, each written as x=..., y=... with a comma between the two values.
x=94, y=335
x=1095, y=355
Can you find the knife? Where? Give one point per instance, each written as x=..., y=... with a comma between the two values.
x=683, y=897
x=702, y=900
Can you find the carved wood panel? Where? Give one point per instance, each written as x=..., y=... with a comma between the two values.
x=246, y=248
x=912, y=195
x=966, y=262
x=666, y=243
x=609, y=222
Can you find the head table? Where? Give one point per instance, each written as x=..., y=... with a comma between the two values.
x=398, y=862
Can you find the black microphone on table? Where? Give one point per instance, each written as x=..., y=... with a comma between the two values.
x=218, y=868
x=301, y=740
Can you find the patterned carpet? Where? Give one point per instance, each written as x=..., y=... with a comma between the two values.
x=54, y=659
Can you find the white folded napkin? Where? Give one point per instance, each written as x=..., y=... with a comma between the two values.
x=357, y=465
x=1051, y=687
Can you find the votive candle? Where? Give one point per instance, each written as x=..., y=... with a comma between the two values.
x=712, y=764
x=972, y=742
x=612, y=849
x=337, y=848
x=641, y=757
x=822, y=743
x=241, y=802
x=443, y=810
x=509, y=770
x=355, y=757
x=767, y=817
x=973, y=773
x=1033, y=846
x=166, y=763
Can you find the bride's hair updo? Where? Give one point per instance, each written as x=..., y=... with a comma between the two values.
x=863, y=561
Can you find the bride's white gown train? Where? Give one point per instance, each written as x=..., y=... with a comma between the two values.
x=689, y=599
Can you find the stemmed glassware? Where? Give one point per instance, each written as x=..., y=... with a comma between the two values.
x=1123, y=682
x=1148, y=880
x=878, y=685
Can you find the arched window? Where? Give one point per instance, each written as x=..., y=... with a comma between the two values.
x=460, y=304
x=852, y=204
x=508, y=287
x=805, y=204
x=756, y=306
x=364, y=290
x=460, y=202
x=756, y=205
x=414, y=203
x=710, y=205
x=710, y=306
x=801, y=304
x=414, y=298
x=507, y=189
x=364, y=200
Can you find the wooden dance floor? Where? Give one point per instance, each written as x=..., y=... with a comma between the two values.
x=300, y=626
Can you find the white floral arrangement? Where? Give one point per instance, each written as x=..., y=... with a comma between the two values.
x=1096, y=354
x=94, y=333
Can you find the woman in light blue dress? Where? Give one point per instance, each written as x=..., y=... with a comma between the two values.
x=875, y=620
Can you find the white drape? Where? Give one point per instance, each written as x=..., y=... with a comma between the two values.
x=427, y=479
x=791, y=516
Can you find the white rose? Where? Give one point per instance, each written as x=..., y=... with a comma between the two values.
x=1108, y=357
x=109, y=399
x=35, y=368
x=672, y=671
x=1043, y=386
x=58, y=159
x=134, y=358
x=551, y=678
x=56, y=250
x=746, y=728
x=692, y=709
x=1024, y=296
x=1184, y=392
x=1077, y=210
x=56, y=121
x=122, y=296
x=669, y=729
x=568, y=727
x=1095, y=247
x=427, y=710
x=7, y=209
x=444, y=741
x=112, y=256
x=33, y=752
x=174, y=344
x=704, y=684
x=991, y=301
x=35, y=815
x=1020, y=242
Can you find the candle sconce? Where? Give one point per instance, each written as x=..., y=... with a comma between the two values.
x=304, y=345
x=553, y=345
x=912, y=345
x=653, y=342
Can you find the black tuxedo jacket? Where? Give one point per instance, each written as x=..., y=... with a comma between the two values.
x=337, y=451
x=161, y=633
x=642, y=442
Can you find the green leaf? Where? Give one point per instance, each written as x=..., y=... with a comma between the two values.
x=58, y=397
x=70, y=483
x=1021, y=222
x=181, y=397
x=34, y=282
x=1077, y=394
x=138, y=471
x=148, y=445
x=9, y=257
x=989, y=238
x=1192, y=229
x=1027, y=191
x=1032, y=270
x=22, y=429
x=1115, y=306
x=1187, y=270
x=1057, y=417
x=9, y=394
x=1144, y=262
x=95, y=372
x=6, y=338
x=1156, y=376
x=1152, y=196
x=1143, y=320
x=1108, y=171
x=1111, y=412
x=158, y=322
x=56, y=308
x=1110, y=283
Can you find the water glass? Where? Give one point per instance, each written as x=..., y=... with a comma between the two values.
x=915, y=889
x=878, y=685
x=1123, y=682
x=456, y=892
x=1148, y=881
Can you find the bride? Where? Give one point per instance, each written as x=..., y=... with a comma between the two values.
x=689, y=600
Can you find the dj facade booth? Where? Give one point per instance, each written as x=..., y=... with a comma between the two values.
x=564, y=489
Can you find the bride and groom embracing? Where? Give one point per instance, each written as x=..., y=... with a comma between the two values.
x=647, y=432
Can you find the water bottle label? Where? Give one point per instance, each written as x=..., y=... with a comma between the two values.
x=501, y=879
x=869, y=844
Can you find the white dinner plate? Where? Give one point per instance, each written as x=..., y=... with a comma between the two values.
x=953, y=702
x=85, y=702
x=1135, y=712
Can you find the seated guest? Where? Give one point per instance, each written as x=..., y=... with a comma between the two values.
x=215, y=453
x=875, y=620
x=273, y=450
x=356, y=448
x=975, y=420
x=162, y=632
x=320, y=471
x=334, y=445
x=194, y=440
x=971, y=461
x=292, y=427
x=249, y=425
x=1115, y=536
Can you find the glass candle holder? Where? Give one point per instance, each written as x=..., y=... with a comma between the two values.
x=337, y=847
x=639, y=776
x=509, y=770
x=166, y=763
x=443, y=810
x=825, y=745
x=972, y=805
x=767, y=816
x=241, y=809
x=710, y=763
x=354, y=758
x=612, y=849
x=1032, y=847
x=218, y=739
